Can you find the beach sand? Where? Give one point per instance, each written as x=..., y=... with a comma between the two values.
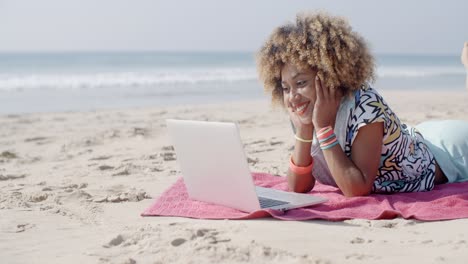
x=73, y=185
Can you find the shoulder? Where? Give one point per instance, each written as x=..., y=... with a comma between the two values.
x=369, y=104
x=365, y=96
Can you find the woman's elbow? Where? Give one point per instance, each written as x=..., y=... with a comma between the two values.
x=300, y=188
x=300, y=183
x=356, y=192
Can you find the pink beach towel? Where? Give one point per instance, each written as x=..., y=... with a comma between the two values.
x=447, y=201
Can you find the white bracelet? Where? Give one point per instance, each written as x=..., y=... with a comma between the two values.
x=303, y=140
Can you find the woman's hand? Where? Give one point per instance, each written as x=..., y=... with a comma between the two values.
x=299, y=121
x=326, y=105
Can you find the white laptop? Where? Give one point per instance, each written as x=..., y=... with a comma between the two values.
x=215, y=168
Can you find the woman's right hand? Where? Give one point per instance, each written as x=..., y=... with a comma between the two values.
x=301, y=123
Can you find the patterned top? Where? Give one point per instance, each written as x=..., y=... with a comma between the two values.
x=406, y=163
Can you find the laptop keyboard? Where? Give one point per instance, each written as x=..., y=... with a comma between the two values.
x=267, y=202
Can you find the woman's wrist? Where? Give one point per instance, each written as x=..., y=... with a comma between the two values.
x=305, y=132
x=301, y=160
x=323, y=126
x=301, y=169
x=327, y=138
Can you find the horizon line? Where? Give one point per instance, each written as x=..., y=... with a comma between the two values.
x=136, y=51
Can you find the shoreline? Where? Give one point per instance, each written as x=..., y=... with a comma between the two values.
x=102, y=102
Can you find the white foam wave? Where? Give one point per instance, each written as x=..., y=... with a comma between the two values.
x=388, y=71
x=123, y=79
x=67, y=81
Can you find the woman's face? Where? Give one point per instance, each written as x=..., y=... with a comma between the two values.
x=298, y=89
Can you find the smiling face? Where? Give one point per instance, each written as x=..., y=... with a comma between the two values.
x=298, y=89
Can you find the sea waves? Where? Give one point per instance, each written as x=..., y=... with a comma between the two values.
x=129, y=79
x=182, y=76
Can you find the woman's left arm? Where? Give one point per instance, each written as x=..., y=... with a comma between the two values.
x=355, y=175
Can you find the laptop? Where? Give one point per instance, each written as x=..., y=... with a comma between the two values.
x=215, y=169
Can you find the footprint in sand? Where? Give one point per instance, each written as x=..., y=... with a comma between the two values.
x=38, y=197
x=11, y=177
x=113, y=133
x=74, y=194
x=396, y=223
x=260, y=150
x=64, y=193
x=123, y=172
x=105, y=167
x=35, y=139
x=156, y=169
x=151, y=156
x=126, y=169
x=460, y=244
x=100, y=158
x=20, y=228
x=259, y=146
x=360, y=240
x=256, y=142
x=38, y=140
x=209, y=236
x=168, y=156
x=139, y=131
x=392, y=223
x=129, y=261
x=174, y=172
x=203, y=245
x=252, y=161
x=118, y=240
x=8, y=155
x=28, y=160
x=178, y=241
x=429, y=241
x=168, y=148
x=132, y=196
x=275, y=142
x=76, y=186
x=359, y=256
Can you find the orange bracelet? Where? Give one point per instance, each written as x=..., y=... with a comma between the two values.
x=298, y=169
x=324, y=132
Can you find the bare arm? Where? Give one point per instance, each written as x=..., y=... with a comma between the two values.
x=355, y=176
x=301, y=157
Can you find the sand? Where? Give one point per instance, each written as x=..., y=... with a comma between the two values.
x=73, y=185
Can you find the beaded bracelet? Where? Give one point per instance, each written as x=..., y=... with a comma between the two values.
x=330, y=144
x=300, y=170
x=327, y=138
x=325, y=132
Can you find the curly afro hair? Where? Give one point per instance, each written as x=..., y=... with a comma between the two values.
x=326, y=43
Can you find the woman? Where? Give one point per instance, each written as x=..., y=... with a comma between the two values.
x=346, y=134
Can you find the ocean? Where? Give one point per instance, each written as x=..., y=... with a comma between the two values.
x=33, y=82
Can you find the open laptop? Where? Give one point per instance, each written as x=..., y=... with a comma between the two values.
x=215, y=168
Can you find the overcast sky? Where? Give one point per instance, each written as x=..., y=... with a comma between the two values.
x=395, y=26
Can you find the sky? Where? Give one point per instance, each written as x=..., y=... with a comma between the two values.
x=397, y=26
